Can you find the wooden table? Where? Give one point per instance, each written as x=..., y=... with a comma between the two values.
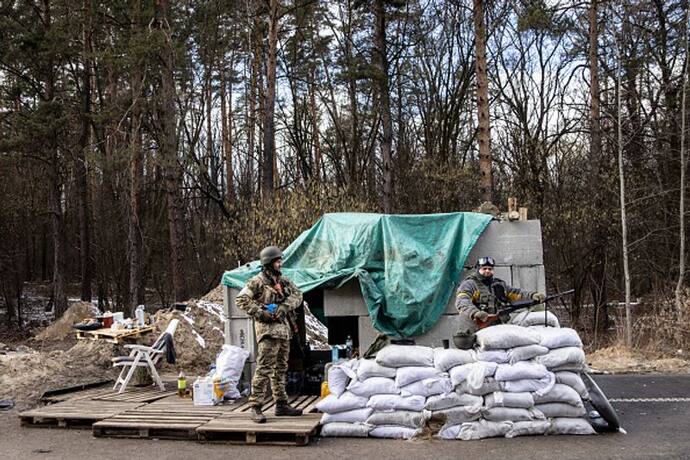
x=114, y=336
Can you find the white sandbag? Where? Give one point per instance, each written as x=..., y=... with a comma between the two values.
x=534, y=318
x=381, y=403
x=428, y=387
x=445, y=359
x=553, y=337
x=408, y=375
x=349, y=430
x=475, y=430
x=560, y=410
x=229, y=367
x=573, y=367
x=399, y=418
x=520, y=370
x=559, y=393
x=529, y=428
x=339, y=376
x=350, y=416
x=513, y=414
x=559, y=357
x=456, y=415
x=373, y=386
x=393, y=432
x=345, y=402
x=405, y=355
x=445, y=401
x=525, y=353
x=494, y=356
x=523, y=400
x=368, y=368
x=574, y=381
x=506, y=336
x=570, y=426
x=541, y=386
x=488, y=386
x=479, y=371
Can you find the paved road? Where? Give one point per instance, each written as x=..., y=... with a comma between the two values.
x=657, y=428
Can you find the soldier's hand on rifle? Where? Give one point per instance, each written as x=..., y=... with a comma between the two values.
x=264, y=317
x=281, y=313
x=481, y=315
x=538, y=297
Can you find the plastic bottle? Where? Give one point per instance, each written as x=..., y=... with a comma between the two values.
x=218, y=391
x=139, y=315
x=335, y=353
x=325, y=391
x=181, y=385
x=348, y=346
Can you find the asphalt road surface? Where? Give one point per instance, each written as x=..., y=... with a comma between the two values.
x=654, y=409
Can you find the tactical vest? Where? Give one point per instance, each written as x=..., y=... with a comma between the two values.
x=487, y=298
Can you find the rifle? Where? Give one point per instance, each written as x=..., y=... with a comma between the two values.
x=513, y=306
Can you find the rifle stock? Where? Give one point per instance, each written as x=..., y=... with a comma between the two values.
x=514, y=306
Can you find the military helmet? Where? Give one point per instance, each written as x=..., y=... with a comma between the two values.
x=464, y=340
x=269, y=254
x=485, y=261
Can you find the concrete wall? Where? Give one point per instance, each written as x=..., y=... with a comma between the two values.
x=516, y=247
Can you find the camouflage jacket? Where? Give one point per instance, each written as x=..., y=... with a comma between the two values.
x=261, y=291
x=474, y=295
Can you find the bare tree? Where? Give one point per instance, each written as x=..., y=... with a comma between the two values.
x=268, y=163
x=681, y=213
x=486, y=181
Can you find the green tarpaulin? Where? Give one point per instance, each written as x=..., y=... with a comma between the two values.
x=407, y=265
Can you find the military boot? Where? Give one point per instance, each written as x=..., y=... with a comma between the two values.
x=257, y=415
x=283, y=408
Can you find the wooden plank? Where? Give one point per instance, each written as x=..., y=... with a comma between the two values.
x=277, y=430
x=73, y=413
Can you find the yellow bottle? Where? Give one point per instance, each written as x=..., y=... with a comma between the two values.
x=218, y=390
x=325, y=391
x=181, y=385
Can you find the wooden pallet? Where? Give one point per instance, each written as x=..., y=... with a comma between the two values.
x=296, y=431
x=135, y=395
x=152, y=424
x=74, y=413
x=114, y=336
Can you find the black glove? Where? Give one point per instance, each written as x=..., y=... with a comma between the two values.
x=281, y=313
x=264, y=317
x=538, y=297
x=481, y=315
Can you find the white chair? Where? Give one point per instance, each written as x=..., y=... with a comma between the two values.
x=143, y=356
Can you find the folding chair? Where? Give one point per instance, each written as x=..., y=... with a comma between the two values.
x=143, y=356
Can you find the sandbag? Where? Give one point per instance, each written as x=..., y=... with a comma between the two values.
x=351, y=430
x=519, y=371
x=368, y=368
x=408, y=375
x=513, y=414
x=523, y=400
x=455, y=415
x=339, y=376
x=386, y=402
x=488, y=386
x=428, y=387
x=475, y=430
x=445, y=359
x=399, y=418
x=535, y=318
x=479, y=371
x=540, y=386
x=506, y=336
x=393, y=432
x=529, y=428
x=345, y=402
x=560, y=410
x=551, y=337
x=525, y=353
x=560, y=393
x=405, y=355
x=350, y=416
x=494, y=356
x=559, y=357
x=373, y=386
x=570, y=426
x=574, y=381
x=445, y=401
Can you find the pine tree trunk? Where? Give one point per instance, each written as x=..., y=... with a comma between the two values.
x=683, y=165
x=316, y=144
x=484, y=134
x=226, y=133
x=268, y=180
x=381, y=60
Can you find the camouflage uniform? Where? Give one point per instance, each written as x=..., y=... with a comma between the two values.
x=273, y=338
x=475, y=293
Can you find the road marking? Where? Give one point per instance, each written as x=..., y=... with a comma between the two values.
x=644, y=400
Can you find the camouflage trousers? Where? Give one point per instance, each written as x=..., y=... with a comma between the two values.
x=271, y=366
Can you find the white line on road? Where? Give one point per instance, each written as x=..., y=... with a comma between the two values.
x=644, y=400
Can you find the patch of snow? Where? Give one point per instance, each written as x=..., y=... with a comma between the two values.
x=216, y=309
x=199, y=339
x=216, y=328
x=189, y=319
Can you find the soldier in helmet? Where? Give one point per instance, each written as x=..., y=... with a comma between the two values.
x=476, y=299
x=268, y=298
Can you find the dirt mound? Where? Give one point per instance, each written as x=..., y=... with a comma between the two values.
x=215, y=295
x=62, y=328
x=620, y=359
x=199, y=335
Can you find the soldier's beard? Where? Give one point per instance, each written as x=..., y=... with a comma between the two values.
x=272, y=271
